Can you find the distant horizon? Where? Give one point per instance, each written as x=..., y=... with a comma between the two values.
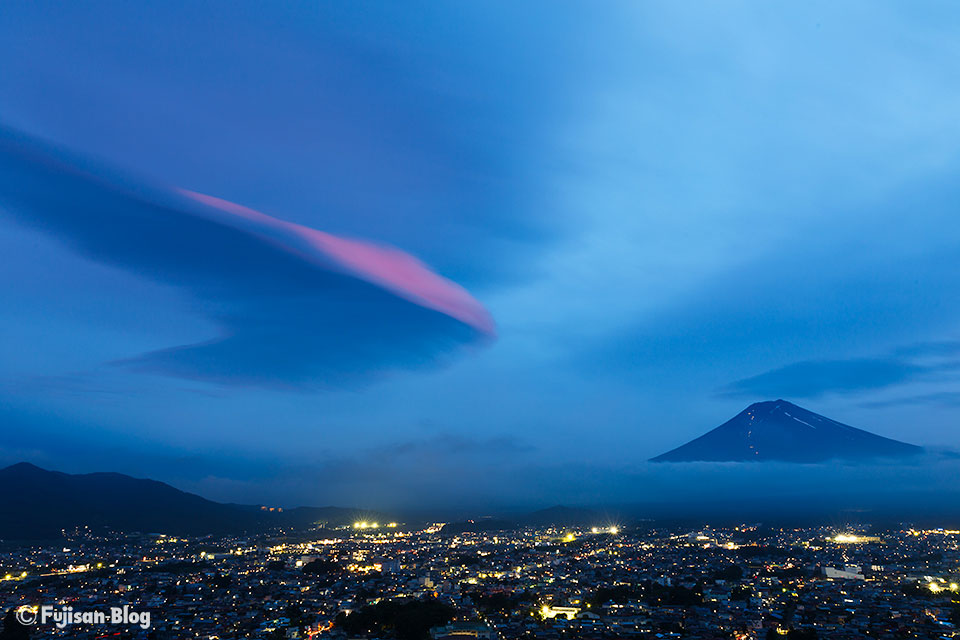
x=701, y=491
x=658, y=482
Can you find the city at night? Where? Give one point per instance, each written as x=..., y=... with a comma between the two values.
x=542, y=321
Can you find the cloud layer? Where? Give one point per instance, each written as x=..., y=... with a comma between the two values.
x=294, y=305
x=926, y=361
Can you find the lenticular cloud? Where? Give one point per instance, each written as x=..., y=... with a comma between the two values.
x=294, y=305
x=390, y=268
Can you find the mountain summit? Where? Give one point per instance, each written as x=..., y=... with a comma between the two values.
x=780, y=430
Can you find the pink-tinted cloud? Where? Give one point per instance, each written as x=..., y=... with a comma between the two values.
x=399, y=272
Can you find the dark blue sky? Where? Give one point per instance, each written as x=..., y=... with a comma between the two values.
x=667, y=211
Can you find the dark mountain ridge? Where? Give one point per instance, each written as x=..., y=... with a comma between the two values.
x=782, y=431
x=36, y=503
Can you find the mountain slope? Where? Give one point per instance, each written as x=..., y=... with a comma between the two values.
x=39, y=503
x=36, y=503
x=780, y=430
x=564, y=516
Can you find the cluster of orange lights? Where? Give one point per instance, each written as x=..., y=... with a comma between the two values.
x=363, y=524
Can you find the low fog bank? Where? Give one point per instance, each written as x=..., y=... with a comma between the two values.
x=922, y=491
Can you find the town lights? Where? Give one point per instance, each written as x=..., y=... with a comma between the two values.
x=612, y=530
x=846, y=538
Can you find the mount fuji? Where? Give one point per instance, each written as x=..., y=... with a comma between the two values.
x=782, y=431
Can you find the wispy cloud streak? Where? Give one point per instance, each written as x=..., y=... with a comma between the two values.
x=918, y=362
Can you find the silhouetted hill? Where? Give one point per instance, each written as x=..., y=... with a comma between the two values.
x=477, y=526
x=558, y=516
x=36, y=503
x=562, y=516
x=780, y=430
